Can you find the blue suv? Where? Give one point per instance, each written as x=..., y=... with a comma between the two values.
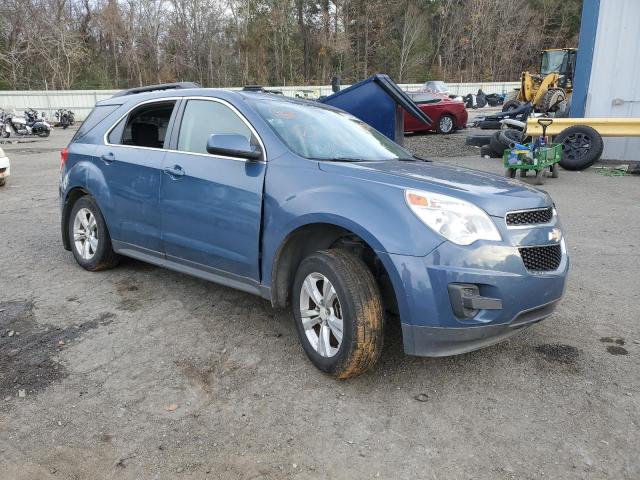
x=307, y=206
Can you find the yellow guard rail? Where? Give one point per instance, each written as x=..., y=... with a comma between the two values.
x=606, y=127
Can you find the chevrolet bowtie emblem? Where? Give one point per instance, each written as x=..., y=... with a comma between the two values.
x=555, y=235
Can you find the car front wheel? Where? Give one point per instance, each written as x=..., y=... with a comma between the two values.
x=338, y=312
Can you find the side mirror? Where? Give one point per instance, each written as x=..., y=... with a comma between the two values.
x=232, y=145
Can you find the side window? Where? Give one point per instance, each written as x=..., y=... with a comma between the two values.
x=202, y=118
x=146, y=126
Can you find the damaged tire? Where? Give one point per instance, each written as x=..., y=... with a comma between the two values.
x=338, y=313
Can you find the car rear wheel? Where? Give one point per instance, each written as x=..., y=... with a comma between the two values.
x=89, y=237
x=338, y=313
x=446, y=124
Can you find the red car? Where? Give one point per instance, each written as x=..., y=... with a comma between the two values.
x=447, y=114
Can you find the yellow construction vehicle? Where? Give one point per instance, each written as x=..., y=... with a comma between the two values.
x=550, y=90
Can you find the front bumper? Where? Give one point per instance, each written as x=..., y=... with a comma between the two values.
x=5, y=168
x=441, y=342
x=430, y=326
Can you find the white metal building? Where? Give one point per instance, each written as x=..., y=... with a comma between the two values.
x=607, y=82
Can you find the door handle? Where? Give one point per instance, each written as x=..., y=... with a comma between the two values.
x=108, y=158
x=175, y=171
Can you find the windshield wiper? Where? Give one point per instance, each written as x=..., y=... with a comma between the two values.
x=338, y=159
x=413, y=158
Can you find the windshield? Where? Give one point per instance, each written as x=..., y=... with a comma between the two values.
x=552, y=62
x=436, y=86
x=319, y=133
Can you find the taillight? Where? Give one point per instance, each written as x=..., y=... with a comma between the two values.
x=64, y=154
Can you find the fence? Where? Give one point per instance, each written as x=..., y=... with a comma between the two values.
x=82, y=101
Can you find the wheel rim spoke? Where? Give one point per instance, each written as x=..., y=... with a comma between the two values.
x=311, y=287
x=328, y=294
x=323, y=341
x=336, y=325
x=311, y=319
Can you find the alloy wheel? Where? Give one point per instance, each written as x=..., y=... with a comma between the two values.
x=446, y=124
x=321, y=314
x=85, y=233
x=576, y=145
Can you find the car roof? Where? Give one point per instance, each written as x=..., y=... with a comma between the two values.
x=232, y=96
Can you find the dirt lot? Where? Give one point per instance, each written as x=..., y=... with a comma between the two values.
x=140, y=372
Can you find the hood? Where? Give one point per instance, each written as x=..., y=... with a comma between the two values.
x=495, y=194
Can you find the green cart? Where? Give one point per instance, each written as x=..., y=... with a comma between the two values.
x=544, y=160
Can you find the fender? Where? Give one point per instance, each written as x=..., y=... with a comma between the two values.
x=271, y=257
x=88, y=177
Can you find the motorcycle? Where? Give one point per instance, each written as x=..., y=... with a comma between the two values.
x=28, y=125
x=65, y=118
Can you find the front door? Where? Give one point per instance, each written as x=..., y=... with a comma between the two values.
x=211, y=205
x=131, y=162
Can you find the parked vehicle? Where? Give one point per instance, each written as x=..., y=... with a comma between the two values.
x=305, y=205
x=65, y=118
x=448, y=115
x=23, y=125
x=5, y=168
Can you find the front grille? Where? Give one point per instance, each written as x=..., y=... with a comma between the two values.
x=541, y=259
x=530, y=217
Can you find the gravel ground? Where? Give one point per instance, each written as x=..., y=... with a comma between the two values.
x=431, y=144
x=140, y=372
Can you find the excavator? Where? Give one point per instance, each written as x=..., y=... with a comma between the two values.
x=550, y=90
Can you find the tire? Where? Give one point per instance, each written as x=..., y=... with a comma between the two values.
x=490, y=125
x=581, y=147
x=510, y=105
x=358, y=302
x=540, y=177
x=485, y=151
x=477, y=140
x=550, y=100
x=446, y=124
x=496, y=145
x=99, y=255
x=5, y=134
x=509, y=136
x=44, y=134
x=564, y=108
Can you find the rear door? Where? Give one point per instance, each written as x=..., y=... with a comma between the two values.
x=131, y=162
x=211, y=205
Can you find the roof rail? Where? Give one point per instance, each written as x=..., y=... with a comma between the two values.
x=153, y=88
x=260, y=88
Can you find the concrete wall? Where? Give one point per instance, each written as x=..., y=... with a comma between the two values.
x=82, y=101
x=614, y=84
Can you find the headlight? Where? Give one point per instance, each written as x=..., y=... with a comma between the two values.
x=456, y=220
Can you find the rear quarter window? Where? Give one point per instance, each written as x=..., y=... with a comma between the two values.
x=99, y=113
